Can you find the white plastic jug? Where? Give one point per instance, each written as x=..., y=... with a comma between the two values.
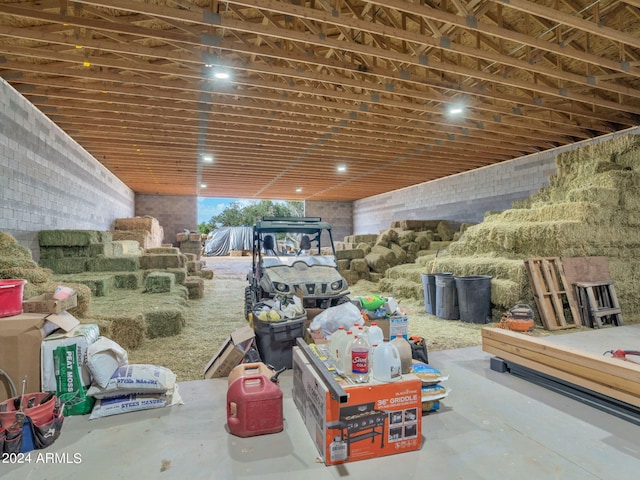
x=338, y=338
x=376, y=336
x=386, y=362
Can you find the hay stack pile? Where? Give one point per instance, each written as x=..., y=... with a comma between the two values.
x=590, y=208
x=368, y=257
x=145, y=230
x=16, y=262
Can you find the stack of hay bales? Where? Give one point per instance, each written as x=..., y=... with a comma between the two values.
x=190, y=243
x=145, y=230
x=590, y=208
x=369, y=257
x=16, y=262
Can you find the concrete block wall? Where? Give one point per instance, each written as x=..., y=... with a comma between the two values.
x=338, y=214
x=47, y=180
x=174, y=213
x=465, y=197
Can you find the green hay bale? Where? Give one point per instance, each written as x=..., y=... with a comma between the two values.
x=406, y=237
x=401, y=288
x=416, y=225
x=194, y=266
x=400, y=254
x=359, y=265
x=583, y=212
x=71, y=238
x=352, y=277
x=163, y=251
x=409, y=271
x=206, y=273
x=445, y=231
x=367, y=238
x=16, y=262
x=128, y=281
x=388, y=254
x=190, y=246
x=180, y=273
x=387, y=237
x=113, y=264
x=375, y=277
x=423, y=240
x=99, y=285
x=191, y=257
x=159, y=282
x=32, y=275
x=128, y=331
x=161, y=261
x=349, y=254
x=505, y=294
x=68, y=252
x=164, y=323
x=343, y=264
x=195, y=287
x=365, y=247
x=13, y=250
x=65, y=265
x=377, y=262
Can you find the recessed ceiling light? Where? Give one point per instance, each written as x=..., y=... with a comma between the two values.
x=221, y=75
x=299, y=189
x=341, y=168
x=207, y=158
x=203, y=185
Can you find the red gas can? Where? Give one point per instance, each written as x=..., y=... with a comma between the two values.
x=254, y=406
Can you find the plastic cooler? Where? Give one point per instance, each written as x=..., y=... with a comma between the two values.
x=275, y=340
x=11, y=297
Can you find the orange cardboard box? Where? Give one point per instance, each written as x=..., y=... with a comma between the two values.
x=378, y=419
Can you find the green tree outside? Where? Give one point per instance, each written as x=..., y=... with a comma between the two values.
x=238, y=214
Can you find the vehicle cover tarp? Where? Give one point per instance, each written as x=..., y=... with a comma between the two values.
x=222, y=240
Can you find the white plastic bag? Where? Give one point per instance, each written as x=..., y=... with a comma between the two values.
x=104, y=356
x=344, y=315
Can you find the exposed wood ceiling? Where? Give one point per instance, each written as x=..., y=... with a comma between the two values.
x=315, y=84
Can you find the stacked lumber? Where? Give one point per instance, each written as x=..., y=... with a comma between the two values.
x=607, y=376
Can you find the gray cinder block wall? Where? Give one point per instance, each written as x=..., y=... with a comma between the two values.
x=338, y=214
x=47, y=180
x=174, y=213
x=465, y=197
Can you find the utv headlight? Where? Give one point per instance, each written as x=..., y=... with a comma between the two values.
x=281, y=287
x=337, y=285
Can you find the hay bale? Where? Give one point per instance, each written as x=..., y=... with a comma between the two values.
x=162, y=251
x=159, y=282
x=194, y=267
x=147, y=223
x=400, y=288
x=423, y=240
x=350, y=254
x=99, y=285
x=343, y=264
x=387, y=237
x=352, y=277
x=377, y=262
x=141, y=237
x=65, y=265
x=375, y=277
x=164, y=323
x=362, y=238
x=445, y=231
x=406, y=237
x=71, y=238
x=160, y=261
x=359, y=265
x=400, y=254
x=195, y=287
x=416, y=225
x=128, y=280
x=113, y=264
x=365, y=247
x=206, y=273
x=126, y=330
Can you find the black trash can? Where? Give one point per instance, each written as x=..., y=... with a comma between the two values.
x=429, y=288
x=474, y=297
x=275, y=340
x=446, y=297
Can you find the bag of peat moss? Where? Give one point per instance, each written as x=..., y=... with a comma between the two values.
x=69, y=388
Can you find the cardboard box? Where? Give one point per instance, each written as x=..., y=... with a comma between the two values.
x=393, y=326
x=20, y=342
x=81, y=336
x=378, y=419
x=230, y=353
x=45, y=303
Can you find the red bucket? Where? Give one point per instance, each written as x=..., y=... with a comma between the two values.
x=11, y=297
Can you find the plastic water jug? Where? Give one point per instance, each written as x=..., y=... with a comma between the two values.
x=254, y=406
x=386, y=363
x=345, y=353
x=335, y=345
x=376, y=336
x=404, y=347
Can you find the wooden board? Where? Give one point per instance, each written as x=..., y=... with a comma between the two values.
x=554, y=296
x=614, y=378
x=585, y=269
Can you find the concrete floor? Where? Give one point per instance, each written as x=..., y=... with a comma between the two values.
x=491, y=426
